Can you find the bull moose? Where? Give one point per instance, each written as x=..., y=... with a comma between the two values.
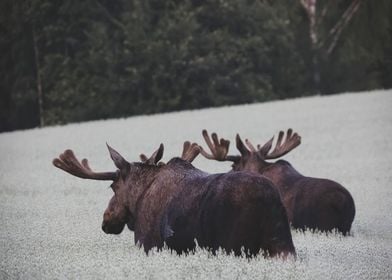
x=176, y=203
x=312, y=203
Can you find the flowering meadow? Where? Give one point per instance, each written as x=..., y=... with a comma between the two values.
x=51, y=221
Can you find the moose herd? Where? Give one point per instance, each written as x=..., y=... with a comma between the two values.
x=246, y=210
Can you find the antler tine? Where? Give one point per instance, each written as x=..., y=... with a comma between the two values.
x=190, y=151
x=68, y=162
x=85, y=164
x=250, y=145
x=263, y=150
x=218, y=148
x=209, y=144
x=143, y=158
x=283, y=147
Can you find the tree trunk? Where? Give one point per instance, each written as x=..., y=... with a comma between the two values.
x=39, y=80
x=316, y=72
x=334, y=34
x=310, y=8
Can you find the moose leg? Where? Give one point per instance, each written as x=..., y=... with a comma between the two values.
x=232, y=227
x=260, y=229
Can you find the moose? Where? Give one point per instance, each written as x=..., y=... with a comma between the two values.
x=176, y=204
x=314, y=203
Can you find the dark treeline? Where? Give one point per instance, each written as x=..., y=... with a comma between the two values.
x=70, y=61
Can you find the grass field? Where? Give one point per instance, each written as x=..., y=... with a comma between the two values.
x=51, y=222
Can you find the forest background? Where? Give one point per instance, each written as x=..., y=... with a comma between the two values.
x=72, y=61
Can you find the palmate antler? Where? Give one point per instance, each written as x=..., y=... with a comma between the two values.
x=68, y=162
x=219, y=148
x=190, y=151
x=281, y=147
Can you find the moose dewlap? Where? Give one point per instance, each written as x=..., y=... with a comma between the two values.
x=176, y=204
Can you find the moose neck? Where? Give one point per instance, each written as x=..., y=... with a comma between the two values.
x=252, y=163
x=142, y=178
x=264, y=165
x=282, y=174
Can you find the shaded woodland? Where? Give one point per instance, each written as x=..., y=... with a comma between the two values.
x=72, y=61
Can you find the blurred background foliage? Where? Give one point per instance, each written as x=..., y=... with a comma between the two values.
x=71, y=61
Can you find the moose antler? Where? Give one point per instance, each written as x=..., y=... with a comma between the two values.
x=190, y=151
x=68, y=162
x=218, y=148
x=281, y=147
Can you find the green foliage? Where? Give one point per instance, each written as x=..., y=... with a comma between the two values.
x=362, y=58
x=102, y=59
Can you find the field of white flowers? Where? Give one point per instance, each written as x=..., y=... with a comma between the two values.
x=50, y=222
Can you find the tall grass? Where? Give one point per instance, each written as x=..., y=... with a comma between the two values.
x=50, y=222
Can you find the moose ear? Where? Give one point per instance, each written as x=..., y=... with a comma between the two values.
x=241, y=146
x=118, y=160
x=157, y=155
x=155, y=158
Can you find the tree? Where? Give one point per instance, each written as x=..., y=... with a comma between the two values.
x=19, y=107
x=72, y=61
x=324, y=41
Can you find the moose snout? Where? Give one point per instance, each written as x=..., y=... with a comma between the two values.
x=106, y=218
x=110, y=227
x=111, y=224
x=105, y=228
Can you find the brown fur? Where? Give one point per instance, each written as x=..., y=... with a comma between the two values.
x=176, y=204
x=312, y=203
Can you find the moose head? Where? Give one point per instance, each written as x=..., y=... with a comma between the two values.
x=251, y=159
x=128, y=184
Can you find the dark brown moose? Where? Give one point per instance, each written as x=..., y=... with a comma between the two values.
x=312, y=203
x=176, y=204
